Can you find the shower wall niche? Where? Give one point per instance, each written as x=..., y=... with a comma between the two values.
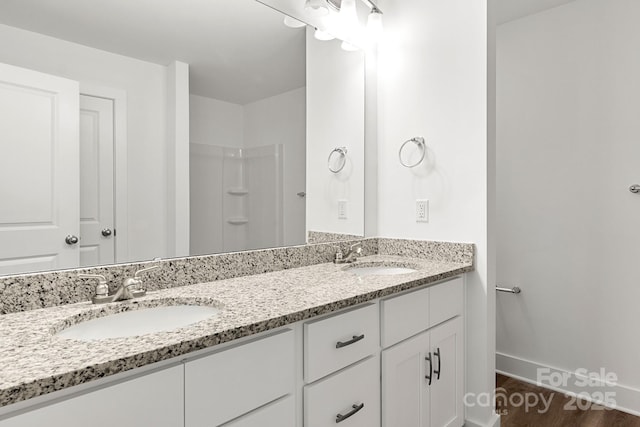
x=236, y=198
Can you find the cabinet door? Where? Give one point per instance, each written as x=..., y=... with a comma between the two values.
x=237, y=380
x=447, y=350
x=155, y=399
x=281, y=413
x=405, y=390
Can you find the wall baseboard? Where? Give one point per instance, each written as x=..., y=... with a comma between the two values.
x=627, y=399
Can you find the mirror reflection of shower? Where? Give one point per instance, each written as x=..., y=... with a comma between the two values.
x=236, y=198
x=247, y=164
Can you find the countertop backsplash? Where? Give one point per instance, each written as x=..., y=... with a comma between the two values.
x=40, y=290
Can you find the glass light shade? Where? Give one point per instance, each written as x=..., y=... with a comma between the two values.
x=316, y=7
x=293, y=22
x=349, y=47
x=374, y=25
x=322, y=35
x=348, y=16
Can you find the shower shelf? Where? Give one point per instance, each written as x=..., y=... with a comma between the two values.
x=237, y=220
x=238, y=191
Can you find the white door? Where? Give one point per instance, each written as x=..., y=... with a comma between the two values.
x=446, y=409
x=97, y=233
x=405, y=388
x=38, y=171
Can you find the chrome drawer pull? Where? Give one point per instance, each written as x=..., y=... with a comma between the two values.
x=430, y=376
x=356, y=408
x=355, y=339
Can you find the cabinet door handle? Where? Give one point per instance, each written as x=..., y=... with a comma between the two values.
x=356, y=408
x=428, y=359
x=355, y=339
x=437, y=353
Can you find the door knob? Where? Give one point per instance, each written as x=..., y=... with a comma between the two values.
x=71, y=240
x=107, y=232
x=635, y=188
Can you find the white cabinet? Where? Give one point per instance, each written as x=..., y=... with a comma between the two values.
x=422, y=379
x=232, y=382
x=281, y=413
x=154, y=399
x=317, y=373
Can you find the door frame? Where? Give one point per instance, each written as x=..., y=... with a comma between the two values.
x=119, y=98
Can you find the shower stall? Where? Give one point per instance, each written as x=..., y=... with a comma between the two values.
x=236, y=198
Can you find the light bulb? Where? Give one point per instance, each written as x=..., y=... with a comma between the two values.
x=374, y=25
x=349, y=47
x=322, y=35
x=293, y=22
x=316, y=7
x=348, y=16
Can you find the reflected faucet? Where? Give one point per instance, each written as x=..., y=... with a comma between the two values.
x=352, y=254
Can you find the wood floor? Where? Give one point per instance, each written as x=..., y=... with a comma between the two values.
x=560, y=410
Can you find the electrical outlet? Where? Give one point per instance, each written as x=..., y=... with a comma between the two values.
x=342, y=209
x=422, y=210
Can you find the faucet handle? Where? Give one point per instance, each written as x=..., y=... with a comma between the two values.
x=144, y=270
x=102, y=289
x=357, y=245
x=338, y=256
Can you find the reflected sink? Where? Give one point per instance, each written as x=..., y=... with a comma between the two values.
x=380, y=270
x=138, y=322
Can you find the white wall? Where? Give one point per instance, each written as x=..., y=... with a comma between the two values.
x=145, y=84
x=568, y=149
x=335, y=118
x=433, y=82
x=281, y=119
x=215, y=122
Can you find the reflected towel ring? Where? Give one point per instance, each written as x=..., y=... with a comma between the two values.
x=419, y=141
x=343, y=154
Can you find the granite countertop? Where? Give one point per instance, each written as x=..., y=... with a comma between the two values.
x=35, y=362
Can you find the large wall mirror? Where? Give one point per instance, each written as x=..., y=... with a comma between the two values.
x=93, y=94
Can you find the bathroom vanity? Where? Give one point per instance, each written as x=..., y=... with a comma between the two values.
x=313, y=346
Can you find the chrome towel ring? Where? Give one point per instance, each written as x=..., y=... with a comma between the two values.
x=419, y=141
x=342, y=151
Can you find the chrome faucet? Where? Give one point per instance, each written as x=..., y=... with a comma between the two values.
x=355, y=250
x=129, y=289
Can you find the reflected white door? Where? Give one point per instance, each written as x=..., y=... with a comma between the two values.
x=96, y=181
x=39, y=191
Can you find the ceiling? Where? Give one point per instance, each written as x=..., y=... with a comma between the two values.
x=239, y=50
x=509, y=10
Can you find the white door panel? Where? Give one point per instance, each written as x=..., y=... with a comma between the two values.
x=96, y=180
x=38, y=170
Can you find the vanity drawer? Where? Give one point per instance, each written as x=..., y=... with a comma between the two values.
x=355, y=390
x=337, y=341
x=235, y=381
x=446, y=301
x=404, y=316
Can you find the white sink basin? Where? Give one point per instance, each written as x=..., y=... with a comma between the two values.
x=138, y=322
x=380, y=271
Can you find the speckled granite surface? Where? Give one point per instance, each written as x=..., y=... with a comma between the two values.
x=324, y=237
x=32, y=291
x=34, y=362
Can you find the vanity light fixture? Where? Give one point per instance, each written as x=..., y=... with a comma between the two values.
x=342, y=17
x=374, y=25
x=323, y=35
x=293, y=22
x=316, y=7
x=349, y=47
